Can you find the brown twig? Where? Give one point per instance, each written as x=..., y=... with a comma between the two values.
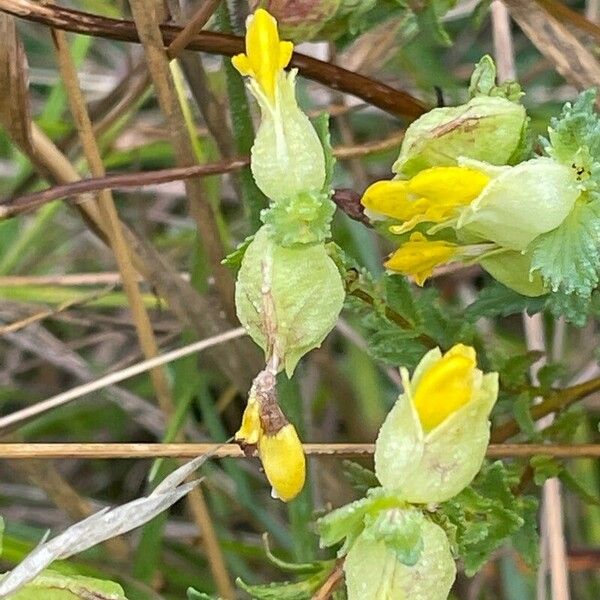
x=11, y=207
x=339, y=450
x=334, y=579
x=374, y=92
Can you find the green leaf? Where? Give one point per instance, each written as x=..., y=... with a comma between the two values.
x=568, y=258
x=51, y=585
x=522, y=413
x=400, y=297
x=483, y=82
x=1, y=533
x=430, y=20
x=298, y=590
x=487, y=514
x=574, y=138
x=544, y=468
x=400, y=530
x=394, y=346
x=321, y=125
x=234, y=259
x=575, y=486
x=360, y=478
x=193, y=594
x=496, y=300
x=309, y=567
x=515, y=370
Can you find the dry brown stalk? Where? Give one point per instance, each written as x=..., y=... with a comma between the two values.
x=556, y=42
x=110, y=219
x=147, y=23
x=338, y=450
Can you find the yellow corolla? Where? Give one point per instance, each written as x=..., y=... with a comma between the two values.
x=266, y=55
x=419, y=256
x=433, y=441
x=434, y=195
x=445, y=387
x=279, y=448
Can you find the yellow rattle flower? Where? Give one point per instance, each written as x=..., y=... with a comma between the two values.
x=433, y=441
x=287, y=156
x=434, y=195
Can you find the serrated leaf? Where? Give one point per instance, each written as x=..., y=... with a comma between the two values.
x=515, y=370
x=360, y=478
x=400, y=297
x=395, y=346
x=544, y=468
x=496, y=300
x=486, y=515
x=577, y=129
x=568, y=258
x=522, y=414
x=526, y=540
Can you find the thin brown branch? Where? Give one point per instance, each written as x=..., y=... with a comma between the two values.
x=193, y=28
x=332, y=582
x=556, y=401
x=340, y=450
x=374, y=92
x=14, y=206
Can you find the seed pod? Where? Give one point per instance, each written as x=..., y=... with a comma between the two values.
x=287, y=298
x=486, y=128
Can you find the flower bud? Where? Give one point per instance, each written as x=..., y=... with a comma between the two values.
x=433, y=442
x=287, y=298
x=486, y=128
x=521, y=203
x=373, y=570
x=287, y=156
x=283, y=459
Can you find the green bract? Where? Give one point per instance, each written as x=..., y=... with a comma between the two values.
x=486, y=128
x=432, y=467
x=374, y=572
x=303, y=219
x=287, y=156
x=521, y=203
x=287, y=298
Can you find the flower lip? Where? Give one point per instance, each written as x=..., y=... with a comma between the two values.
x=433, y=195
x=266, y=55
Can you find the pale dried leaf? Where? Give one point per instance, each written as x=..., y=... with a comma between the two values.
x=15, y=114
x=99, y=527
x=557, y=43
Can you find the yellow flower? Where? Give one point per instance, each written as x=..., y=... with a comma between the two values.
x=433, y=441
x=419, y=256
x=280, y=451
x=445, y=386
x=266, y=56
x=283, y=459
x=434, y=195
